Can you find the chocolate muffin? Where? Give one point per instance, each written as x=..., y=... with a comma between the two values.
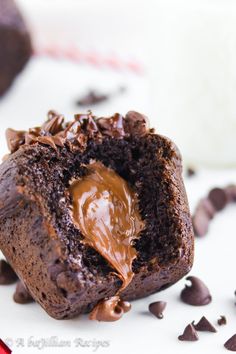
x=93, y=213
x=15, y=43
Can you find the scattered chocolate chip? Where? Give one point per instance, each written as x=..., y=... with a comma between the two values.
x=231, y=343
x=197, y=294
x=222, y=321
x=189, y=334
x=92, y=98
x=231, y=193
x=21, y=295
x=7, y=274
x=207, y=207
x=200, y=221
x=204, y=325
x=201, y=218
x=191, y=172
x=218, y=198
x=157, y=308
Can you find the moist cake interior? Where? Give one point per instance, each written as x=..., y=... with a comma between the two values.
x=140, y=161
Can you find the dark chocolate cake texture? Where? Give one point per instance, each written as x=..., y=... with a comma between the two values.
x=15, y=43
x=93, y=213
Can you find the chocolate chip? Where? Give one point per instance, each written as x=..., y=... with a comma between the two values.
x=54, y=124
x=7, y=274
x=204, y=325
x=207, y=206
x=189, y=334
x=231, y=193
x=206, y=209
x=218, y=198
x=201, y=217
x=200, y=221
x=21, y=295
x=157, y=308
x=92, y=98
x=75, y=134
x=191, y=172
x=14, y=138
x=91, y=127
x=222, y=321
x=136, y=123
x=231, y=343
x=197, y=294
x=113, y=126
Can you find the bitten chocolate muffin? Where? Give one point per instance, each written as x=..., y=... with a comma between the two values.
x=15, y=44
x=93, y=213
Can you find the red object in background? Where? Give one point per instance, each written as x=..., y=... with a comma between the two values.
x=73, y=53
x=4, y=348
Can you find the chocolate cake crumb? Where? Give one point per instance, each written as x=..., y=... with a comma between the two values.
x=189, y=334
x=21, y=295
x=204, y=325
x=231, y=343
x=157, y=308
x=222, y=321
x=197, y=294
x=7, y=274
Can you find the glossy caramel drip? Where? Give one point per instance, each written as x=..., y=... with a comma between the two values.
x=110, y=310
x=105, y=209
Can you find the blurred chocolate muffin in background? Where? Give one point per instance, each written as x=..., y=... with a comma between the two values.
x=15, y=43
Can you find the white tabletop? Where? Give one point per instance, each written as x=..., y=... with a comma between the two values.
x=27, y=326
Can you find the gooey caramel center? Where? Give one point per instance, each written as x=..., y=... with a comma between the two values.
x=105, y=209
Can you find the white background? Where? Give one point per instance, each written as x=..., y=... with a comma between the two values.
x=188, y=48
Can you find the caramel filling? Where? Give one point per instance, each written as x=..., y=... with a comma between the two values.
x=105, y=209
